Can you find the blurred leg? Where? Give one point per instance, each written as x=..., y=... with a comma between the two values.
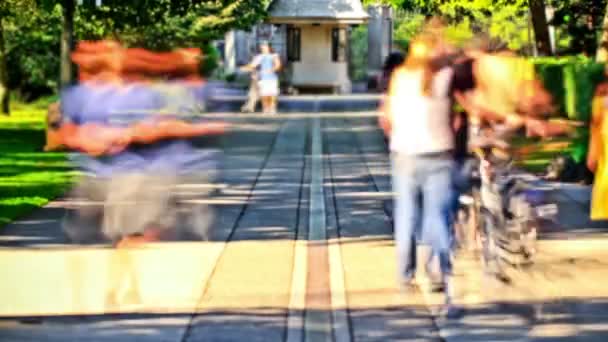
x=139, y=204
x=273, y=105
x=406, y=213
x=437, y=190
x=82, y=221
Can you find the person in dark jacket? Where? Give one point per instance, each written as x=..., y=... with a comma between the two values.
x=393, y=60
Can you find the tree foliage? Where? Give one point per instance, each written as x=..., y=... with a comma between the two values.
x=502, y=19
x=581, y=21
x=163, y=24
x=578, y=23
x=33, y=30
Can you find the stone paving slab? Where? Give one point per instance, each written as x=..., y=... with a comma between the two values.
x=302, y=103
x=562, y=298
x=244, y=148
x=165, y=278
x=166, y=328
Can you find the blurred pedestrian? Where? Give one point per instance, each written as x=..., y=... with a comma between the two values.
x=392, y=62
x=133, y=152
x=597, y=157
x=416, y=116
x=268, y=64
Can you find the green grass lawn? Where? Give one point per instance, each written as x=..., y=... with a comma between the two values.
x=29, y=177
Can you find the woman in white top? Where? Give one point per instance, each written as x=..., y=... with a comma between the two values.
x=417, y=116
x=267, y=65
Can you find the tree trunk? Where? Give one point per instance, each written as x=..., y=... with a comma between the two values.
x=541, y=27
x=67, y=38
x=602, y=51
x=4, y=90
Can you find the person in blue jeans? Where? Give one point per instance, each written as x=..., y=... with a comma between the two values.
x=416, y=114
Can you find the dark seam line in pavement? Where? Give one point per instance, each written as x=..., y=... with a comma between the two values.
x=433, y=319
x=318, y=233
x=306, y=177
x=188, y=330
x=371, y=178
x=336, y=232
x=298, y=221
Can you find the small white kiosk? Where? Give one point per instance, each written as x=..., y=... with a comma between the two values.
x=316, y=40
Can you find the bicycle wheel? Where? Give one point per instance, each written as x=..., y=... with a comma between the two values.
x=491, y=261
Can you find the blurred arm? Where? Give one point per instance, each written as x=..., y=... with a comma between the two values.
x=98, y=139
x=595, y=142
x=251, y=66
x=277, y=63
x=534, y=126
x=147, y=132
x=384, y=116
x=93, y=139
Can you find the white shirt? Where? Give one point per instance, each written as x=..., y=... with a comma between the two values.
x=420, y=124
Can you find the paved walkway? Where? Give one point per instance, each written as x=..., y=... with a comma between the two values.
x=301, y=250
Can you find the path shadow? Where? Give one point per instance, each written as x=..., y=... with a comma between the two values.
x=260, y=214
x=582, y=319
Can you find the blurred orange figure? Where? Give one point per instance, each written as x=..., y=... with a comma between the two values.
x=108, y=62
x=136, y=152
x=99, y=59
x=597, y=157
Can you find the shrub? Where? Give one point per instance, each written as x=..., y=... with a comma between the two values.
x=572, y=82
x=211, y=60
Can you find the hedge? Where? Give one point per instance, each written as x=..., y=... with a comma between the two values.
x=572, y=82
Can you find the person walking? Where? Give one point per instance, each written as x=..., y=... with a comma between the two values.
x=416, y=116
x=268, y=64
x=597, y=156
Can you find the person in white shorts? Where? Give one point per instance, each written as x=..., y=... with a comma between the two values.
x=268, y=64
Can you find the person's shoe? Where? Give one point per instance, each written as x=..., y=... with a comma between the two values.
x=129, y=241
x=450, y=311
x=408, y=285
x=137, y=240
x=437, y=286
x=152, y=235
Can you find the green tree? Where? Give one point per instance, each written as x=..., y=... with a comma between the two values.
x=67, y=41
x=37, y=38
x=12, y=12
x=68, y=10
x=581, y=21
x=504, y=20
x=602, y=53
x=538, y=12
x=163, y=24
x=33, y=43
x=4, y=89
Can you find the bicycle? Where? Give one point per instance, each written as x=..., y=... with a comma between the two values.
x=503, y=213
